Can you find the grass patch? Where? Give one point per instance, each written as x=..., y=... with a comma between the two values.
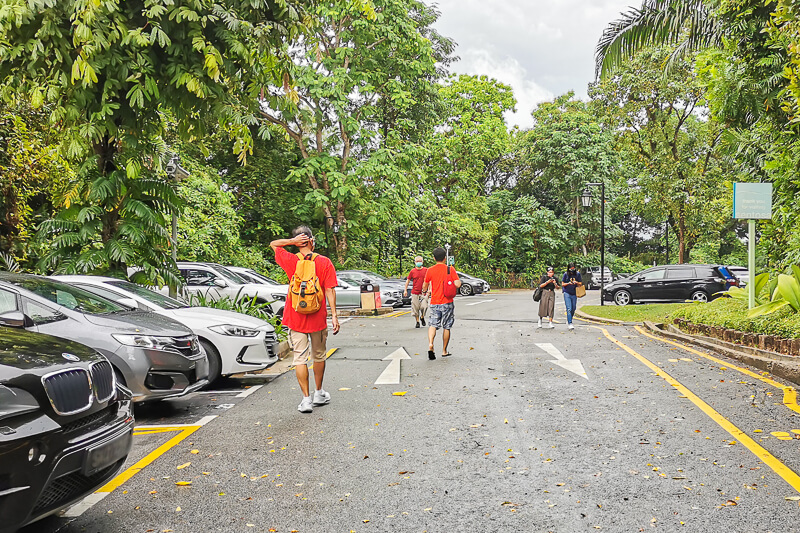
x=732, y=314
x=634, y=312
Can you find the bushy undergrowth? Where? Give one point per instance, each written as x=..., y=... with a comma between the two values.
x=732, y=314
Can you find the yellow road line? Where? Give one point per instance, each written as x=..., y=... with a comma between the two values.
x=153, y=431
x=789, y=393
x=112, y=485
x=789, y=475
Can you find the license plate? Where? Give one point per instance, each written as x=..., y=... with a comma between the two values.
x=107, y=453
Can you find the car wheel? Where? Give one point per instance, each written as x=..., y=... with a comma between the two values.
x=699, y=296
x=622, y=298
x=214, y=361
x=465, y=289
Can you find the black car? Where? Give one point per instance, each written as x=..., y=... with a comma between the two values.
x=471, y=285
x=65, y=425
x=667, y=283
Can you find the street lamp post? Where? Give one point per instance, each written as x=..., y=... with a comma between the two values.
x=586, y=199
x=176, y=172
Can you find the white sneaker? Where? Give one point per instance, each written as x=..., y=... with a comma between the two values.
x=305, y=405
x=321, y=397
x=550, y=325
x=571, y=326
x=540, y=323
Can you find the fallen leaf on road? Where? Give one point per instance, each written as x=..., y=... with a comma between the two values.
x=183, y=483
x=178, y=509
x=730, y=503
x=792, y=498
x=399, y=393
x=505, y=421
x=184, y=465
x=345, y=388
x=195, y=452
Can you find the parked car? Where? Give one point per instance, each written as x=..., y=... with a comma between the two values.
x=152, y=355
x=216, y=282
x=391, y=290
x=233, y=342
x=667, y=283
x=471, y=285
x=592, y=278
x=65, y=425
x=742, y=274
x=256, y=277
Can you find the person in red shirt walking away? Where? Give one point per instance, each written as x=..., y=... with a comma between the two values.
x=419, y=301
x=308, y=333
x=442, y=310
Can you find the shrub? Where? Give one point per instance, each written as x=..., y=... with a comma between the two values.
x=732, y=314
x=242, y=304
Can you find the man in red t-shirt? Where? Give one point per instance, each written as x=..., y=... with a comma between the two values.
x=442, y=307
x=305, y=329
x=419, y=301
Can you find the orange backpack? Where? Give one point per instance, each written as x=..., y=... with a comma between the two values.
x=304, y=288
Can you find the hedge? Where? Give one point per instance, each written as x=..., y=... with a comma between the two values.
x=732, y=314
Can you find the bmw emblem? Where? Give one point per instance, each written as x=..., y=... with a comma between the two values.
x=70, y=357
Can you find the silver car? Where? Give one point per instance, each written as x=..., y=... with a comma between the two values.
x=153, y=356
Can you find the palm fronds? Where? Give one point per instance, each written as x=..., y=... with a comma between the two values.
x=686, y=24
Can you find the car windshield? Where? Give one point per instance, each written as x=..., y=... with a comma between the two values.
x=231, y=275
x=373, y=275
x=164, y=302
x=261, y=278
x=69, y=296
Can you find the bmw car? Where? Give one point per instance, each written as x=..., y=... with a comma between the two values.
x=65, y=425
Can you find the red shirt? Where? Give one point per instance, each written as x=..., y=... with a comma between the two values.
x=437, y=276
x=417, y=276
x=327, y=279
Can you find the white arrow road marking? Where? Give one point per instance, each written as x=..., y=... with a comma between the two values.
x=391, y=375
x=573, y=365
x=482, y=302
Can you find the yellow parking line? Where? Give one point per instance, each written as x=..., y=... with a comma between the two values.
x=789, y=393
x=789, y=475
x=112, y=485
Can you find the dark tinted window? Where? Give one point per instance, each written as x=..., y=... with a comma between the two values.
x=653, y=274
x=680, y=273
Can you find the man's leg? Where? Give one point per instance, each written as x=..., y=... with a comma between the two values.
x=415, y=307
x=301, y=371
x=300, y=349
x=445, y=341
x=319, y=349
x=431, y=337
x=567, y=304
x=423, y=308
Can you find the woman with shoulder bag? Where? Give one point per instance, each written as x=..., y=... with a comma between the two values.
x=547, y=304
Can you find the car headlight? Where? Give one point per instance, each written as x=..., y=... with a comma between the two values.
x=16, y=402
x=234, y=331
x=146, y=341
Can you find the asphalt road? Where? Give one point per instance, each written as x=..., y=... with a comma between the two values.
x=521, y=429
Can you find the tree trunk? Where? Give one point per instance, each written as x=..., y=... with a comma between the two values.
x=681, y=238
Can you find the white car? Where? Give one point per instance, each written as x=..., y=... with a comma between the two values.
x=233, y=342
x=256, y=277
x=217, y=281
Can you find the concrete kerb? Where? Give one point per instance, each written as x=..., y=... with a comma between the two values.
x=783, y=366
x=600, y=320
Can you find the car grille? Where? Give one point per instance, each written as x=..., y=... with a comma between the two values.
x=69, y=487
x=103, y=381
x=89, y=423
x=187, y=346
x=269, y=342
x=69, y=391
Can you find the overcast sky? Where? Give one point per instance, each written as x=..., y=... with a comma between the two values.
x=542, y=48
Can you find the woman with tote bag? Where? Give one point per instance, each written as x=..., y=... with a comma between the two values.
x=547, y=304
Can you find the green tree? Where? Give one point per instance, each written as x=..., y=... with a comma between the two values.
x=359, y=61
x=109, y=70
x=672, y=150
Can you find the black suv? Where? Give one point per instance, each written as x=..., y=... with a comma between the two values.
x=65, y=425
x=667, y=283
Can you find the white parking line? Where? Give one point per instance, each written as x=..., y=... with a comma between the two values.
x=482, y=302
x=217, y=392
x=248, y=392
x=202, y=422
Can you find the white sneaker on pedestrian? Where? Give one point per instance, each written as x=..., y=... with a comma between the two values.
x=550, y=325
x=305, y=405
x=571, y=326
x=540, y=323
x=321, y=397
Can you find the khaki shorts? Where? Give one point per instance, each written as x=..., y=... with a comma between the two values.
x=300, y=346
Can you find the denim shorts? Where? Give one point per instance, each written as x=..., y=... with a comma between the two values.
x=442, y=316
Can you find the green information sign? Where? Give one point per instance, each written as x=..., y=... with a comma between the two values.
x=752, y=201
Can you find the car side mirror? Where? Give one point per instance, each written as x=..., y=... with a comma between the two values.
x=128, y=302
x=16, y=319
x=221, y=283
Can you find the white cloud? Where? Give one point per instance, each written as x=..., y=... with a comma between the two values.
x=542, y=48
x=507, y=70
